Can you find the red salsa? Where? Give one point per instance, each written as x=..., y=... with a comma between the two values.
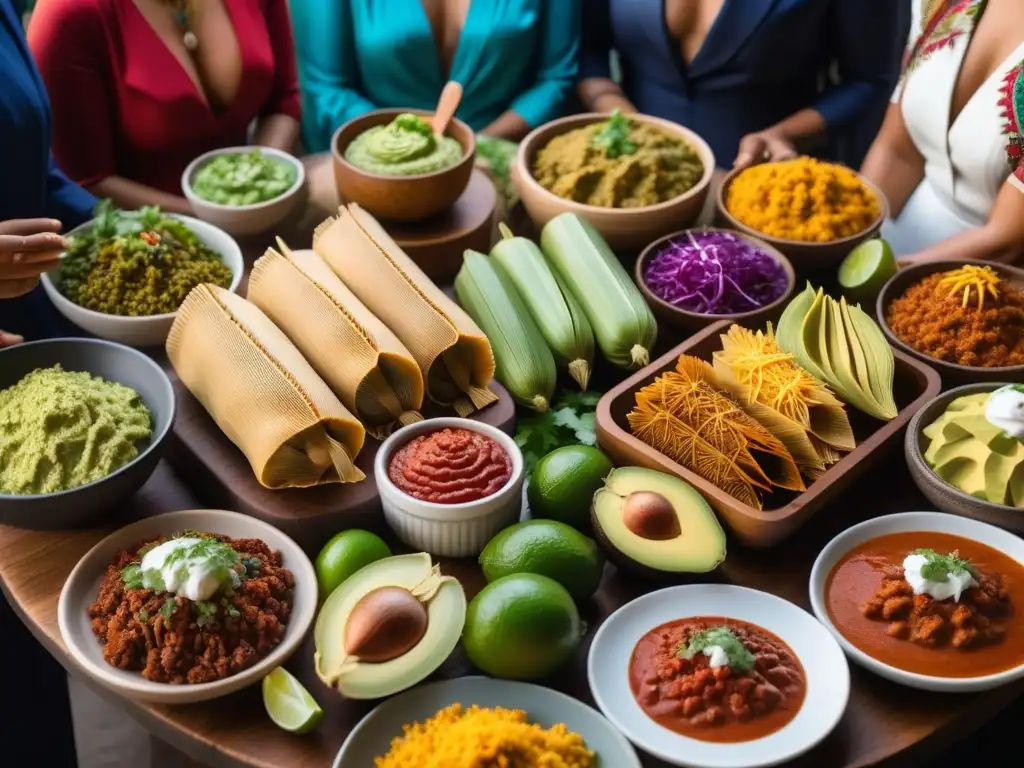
x=758, y=691
x=451, y=466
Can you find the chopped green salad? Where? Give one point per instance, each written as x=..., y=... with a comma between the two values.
x=243, y=178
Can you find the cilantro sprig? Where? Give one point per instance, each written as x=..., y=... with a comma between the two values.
x=940, y=567
x=613, y=138
x=740, y=657
x=571, y=422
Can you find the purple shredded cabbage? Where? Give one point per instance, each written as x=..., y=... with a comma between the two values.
x=715, y=273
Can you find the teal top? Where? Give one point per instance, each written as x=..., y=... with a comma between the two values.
x=360, y=55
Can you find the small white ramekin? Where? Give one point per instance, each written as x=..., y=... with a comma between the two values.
x=450, y=530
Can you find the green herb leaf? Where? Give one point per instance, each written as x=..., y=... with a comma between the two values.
x=740, y=657
x=131, y=575
x=168, y=608
x=206, y=613
x=570, y=422
x=939, y=568
x=613, y=138
x=143, y=616
x=410, y=122
x=233, y=612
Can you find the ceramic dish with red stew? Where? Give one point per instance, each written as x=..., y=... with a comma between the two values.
x=927, y=599
x=718, y=676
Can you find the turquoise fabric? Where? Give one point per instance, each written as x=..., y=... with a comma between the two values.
x=359, y=55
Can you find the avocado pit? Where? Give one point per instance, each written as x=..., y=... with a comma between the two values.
x=650, y=516
x=386, y=623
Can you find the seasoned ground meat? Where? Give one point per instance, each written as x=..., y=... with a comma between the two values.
x=199, y=642
x=970, y=623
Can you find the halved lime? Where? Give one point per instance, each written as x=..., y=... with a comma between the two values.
x=866, y=269
x=289, y=704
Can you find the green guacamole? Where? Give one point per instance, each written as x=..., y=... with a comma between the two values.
x=244, y=178
x=61, y=429
x=404, y=147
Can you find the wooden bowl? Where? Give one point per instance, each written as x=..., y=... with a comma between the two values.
x=692, y=321
x=626, y=229
x=914, y=384
x=401, y=198
x=804, y=255
x=952, y=373
x=946, y=497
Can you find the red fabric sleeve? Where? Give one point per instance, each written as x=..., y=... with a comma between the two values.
x=70, y=43
x=284, y=98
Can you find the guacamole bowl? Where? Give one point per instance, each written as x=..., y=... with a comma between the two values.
x=942, y=494
x=117, y=364
x=405, y=197
x=240, y=200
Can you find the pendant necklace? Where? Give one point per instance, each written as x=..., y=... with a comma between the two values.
x=183, y=16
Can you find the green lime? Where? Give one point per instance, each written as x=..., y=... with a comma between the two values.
x=549, y=548
x=564, y=482
x=345, y=554
x=289, y=704
x=522, y=627
x=866, y=269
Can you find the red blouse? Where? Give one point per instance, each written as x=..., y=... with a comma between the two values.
x=124, y=105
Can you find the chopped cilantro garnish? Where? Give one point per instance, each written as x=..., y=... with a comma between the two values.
x=131, y=575
x=206, y=612
x=740, y=657
x=168, y=608
x=571, y=422
x=233, y=612
x=613, y=137
x=939, y=568
x=143, y=615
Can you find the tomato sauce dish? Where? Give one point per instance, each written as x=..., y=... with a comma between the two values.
x=718, y=676
x=927, y=599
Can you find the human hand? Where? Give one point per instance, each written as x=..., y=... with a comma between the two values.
x=28, y=248
x=9, y=339
x=762, y=147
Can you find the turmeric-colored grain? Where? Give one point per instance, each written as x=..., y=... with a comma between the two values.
x=803, y=199
x=457, y=737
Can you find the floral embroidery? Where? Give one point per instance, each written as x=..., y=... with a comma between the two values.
x=1011, y=106
x=943, y=24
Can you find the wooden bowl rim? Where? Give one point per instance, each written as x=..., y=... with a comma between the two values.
x=783, y=242
x=921, y=271
x=468, y=146
x=563, y=125
x=648, y=253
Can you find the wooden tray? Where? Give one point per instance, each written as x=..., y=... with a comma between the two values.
x=221, y=475
x=914, y=385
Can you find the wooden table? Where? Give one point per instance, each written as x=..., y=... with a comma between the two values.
x=884, y=724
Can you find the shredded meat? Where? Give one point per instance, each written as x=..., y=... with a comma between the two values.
x=244, y=627
x=970, y=623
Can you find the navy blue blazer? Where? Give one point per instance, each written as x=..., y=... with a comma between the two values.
x=761, y=61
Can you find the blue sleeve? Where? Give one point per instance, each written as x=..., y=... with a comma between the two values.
x=558, y=64
x=596, y=42
x=65, y=200
x=867, y=43
x=328, y=71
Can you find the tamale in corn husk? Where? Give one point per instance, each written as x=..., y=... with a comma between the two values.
x=453, y=353
x=794, y=406
x=684, y=415
x=262, y=392
x=362, y=361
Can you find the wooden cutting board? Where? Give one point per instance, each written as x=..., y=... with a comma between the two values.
x=213, y=467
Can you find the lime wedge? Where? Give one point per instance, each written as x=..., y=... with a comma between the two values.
x=866, y=269
x=289, y=704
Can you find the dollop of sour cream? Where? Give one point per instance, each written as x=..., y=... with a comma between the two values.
x=954, y=585
x=717, y=656
x=197, y=576
x=1005, y=409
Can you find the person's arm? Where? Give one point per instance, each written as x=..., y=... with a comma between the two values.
x=67, y=39
x=596, y=89
x=558, y=64
x=278, y=125
x=66, y=201
x=327, y=69
x=894, y=163
x=865, y=36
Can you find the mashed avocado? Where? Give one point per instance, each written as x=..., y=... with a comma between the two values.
x=404, y=147
x=61, y=429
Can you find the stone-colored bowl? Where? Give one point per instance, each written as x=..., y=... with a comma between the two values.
x=401, y=198
x=804, y=255
x=694, y=321
x=946, y=497
x=625, y=229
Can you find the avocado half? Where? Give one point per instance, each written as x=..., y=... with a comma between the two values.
x=388, y=626
x=656, y=524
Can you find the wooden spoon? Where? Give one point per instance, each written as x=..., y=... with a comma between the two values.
x=451, y=95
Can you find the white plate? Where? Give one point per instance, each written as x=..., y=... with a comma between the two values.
x=372, y=737
x=82, y=584
x=828, y=675
x=1007, y=543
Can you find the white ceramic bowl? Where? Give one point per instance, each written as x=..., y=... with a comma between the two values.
x=244, y=220
x=82, y=584
x=450, y=530
x=152, y=330
x=372, y=737
x=828, y=675
x=1007, y=543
